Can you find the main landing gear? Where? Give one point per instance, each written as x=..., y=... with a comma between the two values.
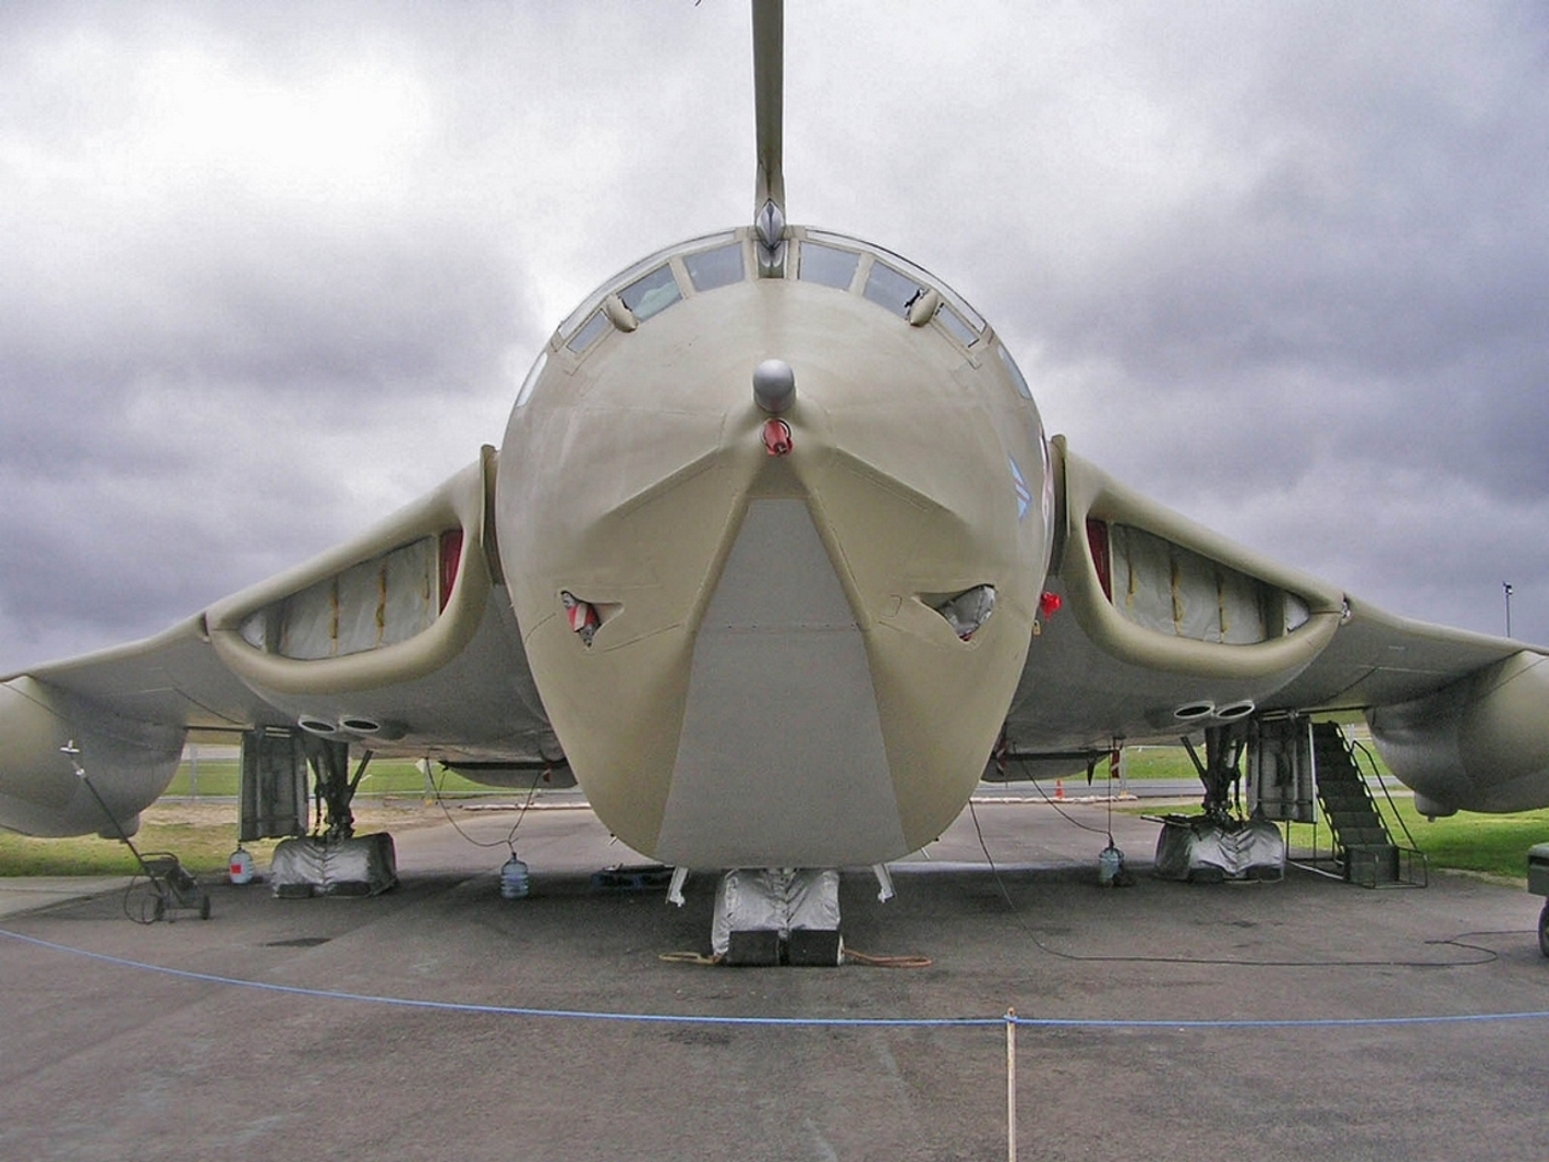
x=1217, y=844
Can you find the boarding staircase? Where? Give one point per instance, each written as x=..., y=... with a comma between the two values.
x=1365, y=850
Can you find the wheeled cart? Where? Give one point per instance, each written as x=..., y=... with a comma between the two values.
x=172, y=887
x=1538, y=884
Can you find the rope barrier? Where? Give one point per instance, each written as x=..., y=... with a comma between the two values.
x=1103, y=1023
x=508, y=1010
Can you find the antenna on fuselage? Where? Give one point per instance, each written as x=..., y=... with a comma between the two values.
x=768, y=106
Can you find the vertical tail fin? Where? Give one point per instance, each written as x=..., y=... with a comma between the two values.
x=769, y=99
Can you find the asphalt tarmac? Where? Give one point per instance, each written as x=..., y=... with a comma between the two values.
x=103, y=1057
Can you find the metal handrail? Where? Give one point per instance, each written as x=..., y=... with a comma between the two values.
x=1371, y=761
x=1358, y=750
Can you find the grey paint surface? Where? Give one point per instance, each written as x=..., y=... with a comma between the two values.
x=780, y=699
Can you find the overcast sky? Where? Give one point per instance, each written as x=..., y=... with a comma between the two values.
x=268, y=272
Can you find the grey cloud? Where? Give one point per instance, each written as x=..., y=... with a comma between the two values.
x=1281, y=266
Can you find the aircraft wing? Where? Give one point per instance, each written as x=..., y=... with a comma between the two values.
x=400, y=641
x=1164, y=628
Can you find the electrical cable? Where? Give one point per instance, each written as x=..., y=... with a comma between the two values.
x=1074, y=822
x=509, y=841
x=696, y=958
x=147, y=914
x=141, y=871
x=1486, y=956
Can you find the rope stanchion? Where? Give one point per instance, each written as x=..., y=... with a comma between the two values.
x=1011, y=1085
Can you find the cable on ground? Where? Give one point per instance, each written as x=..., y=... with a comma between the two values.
x=1486, y=955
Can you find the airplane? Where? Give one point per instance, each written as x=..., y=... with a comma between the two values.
x=775, y=559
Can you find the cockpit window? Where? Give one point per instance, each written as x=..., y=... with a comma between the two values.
x=887, y=288
x=955, y=325
x=644, y=288
x=889, y=281
x=827, y=265
x=712, y=269
x=589, y=332
x=652, y=294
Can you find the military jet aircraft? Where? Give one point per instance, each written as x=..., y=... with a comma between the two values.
x=776, y=559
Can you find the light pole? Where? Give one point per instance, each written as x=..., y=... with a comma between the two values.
x=1507, y=589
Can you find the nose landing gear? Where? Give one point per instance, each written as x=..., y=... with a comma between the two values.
x=773, y=916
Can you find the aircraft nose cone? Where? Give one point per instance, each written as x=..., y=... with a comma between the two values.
x=774, y=385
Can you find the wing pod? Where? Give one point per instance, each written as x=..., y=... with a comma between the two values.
x=40, y=793
x=1480, y=744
